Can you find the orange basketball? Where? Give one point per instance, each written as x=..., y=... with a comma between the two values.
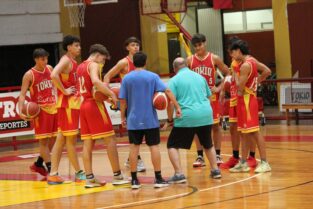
x=98, y=96
x=160, y=101
x=116, y=90
x=31, y=109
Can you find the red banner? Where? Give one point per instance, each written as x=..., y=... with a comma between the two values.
x=222, y=4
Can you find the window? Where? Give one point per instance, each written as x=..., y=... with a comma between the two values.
x=245, y=21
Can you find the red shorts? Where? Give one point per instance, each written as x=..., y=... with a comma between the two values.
x=233, y=110
x=46, y=125
x=215, y=108
x=248, y=119
x=95, y=122
x=68, y=120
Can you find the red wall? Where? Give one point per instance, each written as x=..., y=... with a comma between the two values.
x=239, y=5
x=300, y=20
x=261, y=46
x=110, y=25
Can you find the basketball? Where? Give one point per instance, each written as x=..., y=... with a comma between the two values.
x=98, y=96
x=227, y=83
x=31, y=109
x=160, y=101
x=116, y=90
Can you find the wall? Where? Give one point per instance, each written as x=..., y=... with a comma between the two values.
x=239, y=5
x=29, y=22
x=301, y=38
x=110, y=25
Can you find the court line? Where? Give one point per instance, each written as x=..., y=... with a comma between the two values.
x=143, y=202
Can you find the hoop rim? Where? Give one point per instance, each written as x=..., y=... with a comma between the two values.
x=66, y=4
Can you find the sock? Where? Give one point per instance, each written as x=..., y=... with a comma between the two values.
x=200, y=153
x=218, y=152
x=48, y=165
x=252, y=154
x=54, y=174
x=158, y=175
x=139, y=158
x=90, y=176
x=117, y=173
x=236, y=154
x=80, y=171
x=134, y=175
x=39, y=161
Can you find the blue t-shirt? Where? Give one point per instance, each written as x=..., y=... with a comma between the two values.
x=191, y=91
x=138, y=88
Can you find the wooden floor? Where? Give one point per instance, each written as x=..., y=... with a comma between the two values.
x=290, y=185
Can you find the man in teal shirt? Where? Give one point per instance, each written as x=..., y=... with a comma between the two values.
x=192, y=93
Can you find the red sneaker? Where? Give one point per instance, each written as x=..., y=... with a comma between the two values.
x=230, y=163
x=251, y=162
x=38, y=169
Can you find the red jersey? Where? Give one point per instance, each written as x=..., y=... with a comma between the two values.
x=85, y=83
x=68, y=80
x=252, y=83
x=42, y=90
x=130, y=67
x=204, y=67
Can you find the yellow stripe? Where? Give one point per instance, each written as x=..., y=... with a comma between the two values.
x=216, y=121
x=213, y=97
x=250, y=130
x=42, y=136
x=249, y=91
x=233, y=102
x=68, y=133
x=69, y=115
x=246, y=99
x=102, y=112
x=233, y=120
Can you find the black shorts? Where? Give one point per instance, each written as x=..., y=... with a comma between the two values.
x=152, y=136
x=182, y=137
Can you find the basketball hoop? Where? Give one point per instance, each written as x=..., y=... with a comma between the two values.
x=76, y=10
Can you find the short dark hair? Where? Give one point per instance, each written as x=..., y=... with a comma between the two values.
x=140, y=59
x=69, y=40
x=232, y=39
x=40, y=52
x=131, y=40
x=100, y=49
x=198, y=38
x=241, y=45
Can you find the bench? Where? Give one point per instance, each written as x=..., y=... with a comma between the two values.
x=296, y=107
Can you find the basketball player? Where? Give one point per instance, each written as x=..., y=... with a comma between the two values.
x=248, y=119
x=137, y=90
x=94, y=119
x=234, y=133
x=124, y=66
x=68, y=104
x=204, y=63
x=42, y=92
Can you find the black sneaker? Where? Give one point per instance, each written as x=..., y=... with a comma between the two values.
x=135, y=184
x=159, y=183
x=177, y=179
x=216, y=174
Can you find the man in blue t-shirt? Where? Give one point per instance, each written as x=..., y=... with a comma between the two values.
x=136, y=94
x=192, y=93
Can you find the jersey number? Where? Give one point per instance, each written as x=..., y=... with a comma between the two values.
x=82, y=87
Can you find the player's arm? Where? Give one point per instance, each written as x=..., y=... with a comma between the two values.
x=188, y=61
x=263, y=70
x=26, y=83
x=173, y=100
x=123, y=107
x=245, y=70
x=218, y=62
x=94, y=76
x=117, y=69
x=55, y=76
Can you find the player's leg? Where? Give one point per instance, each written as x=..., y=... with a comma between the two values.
x=199, y=162
x=263, y=166
x=217, y=139
x=251, y=159
x=205, y=138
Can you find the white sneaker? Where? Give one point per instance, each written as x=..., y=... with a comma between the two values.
x=219, y=160
x=140, y=166
x=92, y=183
x=199, y=162
x=263, y=167
x=119, y=180
x=240, y=168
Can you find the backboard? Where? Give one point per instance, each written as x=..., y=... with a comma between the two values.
x=156, y=6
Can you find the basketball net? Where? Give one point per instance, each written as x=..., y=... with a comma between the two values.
x=76, y=10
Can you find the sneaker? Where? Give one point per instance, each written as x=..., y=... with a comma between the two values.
x=230, y=163
x=38, y=169
x=119, y=180
x=80, y=176
x=216, y=174
x=263, y=167
x=251, y=162
x=219, y=160
x=199, y=162
x=159, y=183
x=177, y=179
x=240, y=168
x=54, y=180
x=135, y=184
x=140, y=166
x=92, y=183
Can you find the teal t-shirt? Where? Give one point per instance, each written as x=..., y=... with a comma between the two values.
x=191, y=91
